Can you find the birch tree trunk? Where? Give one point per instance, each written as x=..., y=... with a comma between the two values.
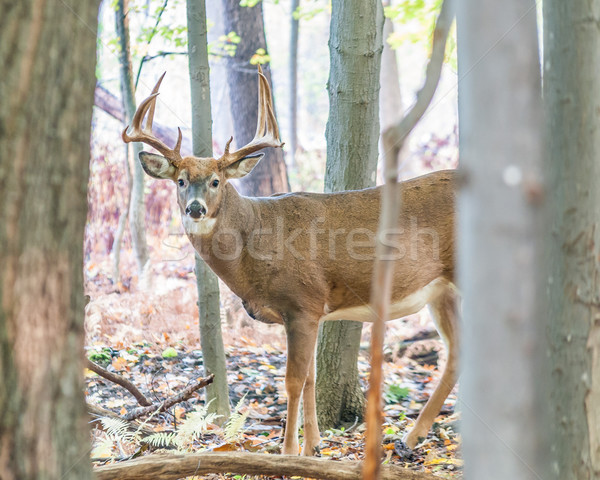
x=48, y=55
x=211, y=339
x=571, y=86
x=270, y=175
x=503, y=383
x=137, y=210
x=355, y=47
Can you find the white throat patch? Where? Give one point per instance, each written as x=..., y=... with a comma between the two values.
x=198, y=227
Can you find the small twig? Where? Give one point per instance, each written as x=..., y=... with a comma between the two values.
x=353, y=427
x=150, y=37
x=126, y=384
x=169, y=402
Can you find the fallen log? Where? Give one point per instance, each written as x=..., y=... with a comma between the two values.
x=172, y=467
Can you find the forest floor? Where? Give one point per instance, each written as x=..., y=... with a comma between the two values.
x=151, y=338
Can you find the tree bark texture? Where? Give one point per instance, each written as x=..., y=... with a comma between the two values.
x=270, y=175
x=355, y=47
x=211, y=338
x=571, y=86
x=48, y=54
x=503, y=383
x=137, y=210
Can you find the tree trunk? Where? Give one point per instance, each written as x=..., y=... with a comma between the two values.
x=500, y=233
x=390, y=98
x=222, y=127
x=571, y=86
x=47, y=52
x=294, y=30
x=123, y=216
x=137, y=209
x=270, y=175
x=352, y=133
x=213, y=352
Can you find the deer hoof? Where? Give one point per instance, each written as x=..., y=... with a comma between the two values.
x=412, y=439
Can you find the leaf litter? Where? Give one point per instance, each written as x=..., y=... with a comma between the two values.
x=256, y=372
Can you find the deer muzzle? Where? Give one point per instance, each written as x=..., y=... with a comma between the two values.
x=195, y=210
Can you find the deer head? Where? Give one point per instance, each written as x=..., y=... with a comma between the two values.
x=200, y=181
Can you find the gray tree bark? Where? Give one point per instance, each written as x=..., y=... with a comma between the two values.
x=270, y=175
x=571, y=86
x=137, y=210
x=294, y=31
x=352, y=133
x=211, y=339
x=48, y=54
x=501, y=227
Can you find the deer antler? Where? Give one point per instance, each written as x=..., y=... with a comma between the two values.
x=140, y=133
x=267, y=132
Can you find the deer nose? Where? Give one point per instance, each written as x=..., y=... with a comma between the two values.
x=195, y=209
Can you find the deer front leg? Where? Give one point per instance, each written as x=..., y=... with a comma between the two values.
x=301, y=340
x=444, y=313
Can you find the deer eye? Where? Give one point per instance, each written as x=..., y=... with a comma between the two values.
x=180, y=182
x=215, y=183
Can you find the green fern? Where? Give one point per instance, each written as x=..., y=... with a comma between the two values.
x=117, y=429
x=234, y=428
x=104, y=449
x=162, y=439
x=195, y=424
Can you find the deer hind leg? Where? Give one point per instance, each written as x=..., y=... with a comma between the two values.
x=312, y=437
x=444, y=312
x=301, y=340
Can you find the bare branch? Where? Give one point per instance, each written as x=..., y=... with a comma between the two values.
x=171, y=467
x=98, y=412
x=126, y=384
x=394, y=136
x=169, y=402
x=383, y=272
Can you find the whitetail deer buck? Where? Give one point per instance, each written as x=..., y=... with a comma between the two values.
x=301, y=258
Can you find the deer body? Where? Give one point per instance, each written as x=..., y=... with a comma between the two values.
x=315, y=252
x=301, y=258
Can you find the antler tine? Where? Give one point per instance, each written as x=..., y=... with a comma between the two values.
x=143, y=133
x=267, y=131
x=177, y=148
x=227, y=145
x=140, y=113
x=150, y=118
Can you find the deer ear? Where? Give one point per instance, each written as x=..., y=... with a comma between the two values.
x=157, y=166
x=243, y=167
